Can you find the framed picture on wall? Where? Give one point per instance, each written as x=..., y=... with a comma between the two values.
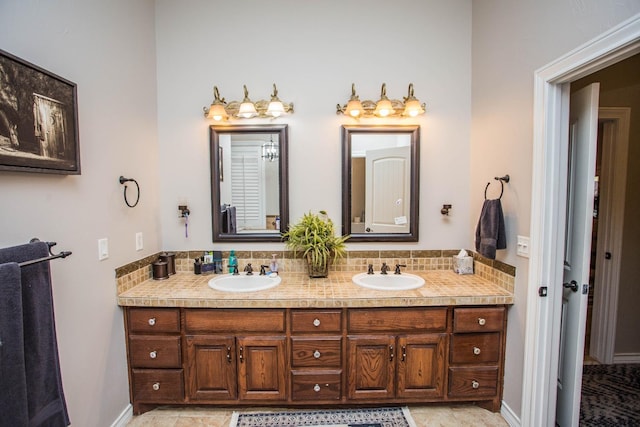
x=38, y=119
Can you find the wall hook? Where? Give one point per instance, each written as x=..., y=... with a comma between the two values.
x=445, y=209
x=124, y=180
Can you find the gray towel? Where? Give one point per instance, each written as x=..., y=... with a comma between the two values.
x=13, y=381
x=490, y=233
x=45, y=397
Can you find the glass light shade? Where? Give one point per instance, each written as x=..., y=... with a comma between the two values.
x=383, y=108
x=247, y=110
x=275, y=108
x=217, y=112
x=413, y=108
x=354, y=108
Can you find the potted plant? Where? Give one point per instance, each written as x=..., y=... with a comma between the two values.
x=314, y=236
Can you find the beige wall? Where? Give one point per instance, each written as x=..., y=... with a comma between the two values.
x=620, y=87
x=108, y=49
x=511, y=40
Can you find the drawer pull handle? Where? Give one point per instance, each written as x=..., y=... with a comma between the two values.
x=152, y=321
x=391, y=355
x=241, y=356
x=476, y=350
x=482, y=321
x=316, y=354
x=228, y=354
x=475, y=384
x=316, y=322
x=156, y=386
x=316, y=388
x=404, y=353
x=153, y=354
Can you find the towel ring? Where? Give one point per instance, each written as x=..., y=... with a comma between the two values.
x=502, y=180
x=124, y=180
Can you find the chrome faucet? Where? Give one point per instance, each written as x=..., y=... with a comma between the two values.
x=384, y=268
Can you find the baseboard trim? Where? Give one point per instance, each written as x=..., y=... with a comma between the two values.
x=124, y=417
x=626, y=358
x=509, y=416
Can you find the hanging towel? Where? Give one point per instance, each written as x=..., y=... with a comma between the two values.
x=45, y=397
x=490, y=233
x=13, y=381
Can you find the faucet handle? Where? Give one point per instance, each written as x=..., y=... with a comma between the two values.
x=398, y=268
x=262, y=270
x=235, y=270
x=370, y=269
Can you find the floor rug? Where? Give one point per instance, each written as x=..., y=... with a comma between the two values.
x=370, y=417
x=610, y=395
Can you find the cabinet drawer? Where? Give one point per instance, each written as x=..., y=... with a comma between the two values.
x=316, y=385
x=475, y=348
x=158, y=385
x=472, y=382
x=319, y=352
x=154, y=351
x=481, y=319
x=397, y=320
x=150, y=320
x=236, y=321
x=310, y=321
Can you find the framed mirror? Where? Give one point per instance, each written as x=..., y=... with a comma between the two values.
x=380, y=180
x=249, y=182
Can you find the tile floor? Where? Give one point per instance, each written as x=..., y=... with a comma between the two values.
x=431, y=416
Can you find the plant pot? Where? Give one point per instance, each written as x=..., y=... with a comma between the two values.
x=316, y=271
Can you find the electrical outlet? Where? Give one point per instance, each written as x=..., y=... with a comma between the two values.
x=139, y=241
x=522, y=246
x=103, y=249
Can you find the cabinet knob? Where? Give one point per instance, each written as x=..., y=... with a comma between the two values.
x=316, y=322
x=316, y=388
x=153, y=354
x=482, y=321
x=476, y=350
x=316, y=354
x=475, y=384
x=152, y=321
x=156, y=386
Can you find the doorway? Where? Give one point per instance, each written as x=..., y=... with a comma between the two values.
x=544, y=297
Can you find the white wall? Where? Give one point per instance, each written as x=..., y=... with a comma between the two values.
x=108, y=49
x=313, y=51
x=510, y=41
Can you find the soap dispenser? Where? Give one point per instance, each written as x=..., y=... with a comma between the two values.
x=274, y=264
x=233, y=261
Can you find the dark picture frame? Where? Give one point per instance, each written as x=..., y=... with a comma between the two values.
x=38, y=119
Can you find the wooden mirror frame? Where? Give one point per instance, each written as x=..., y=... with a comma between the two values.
x=348, y=131
x=283, y=176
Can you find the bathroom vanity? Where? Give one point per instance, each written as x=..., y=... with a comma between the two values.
x=314, y=342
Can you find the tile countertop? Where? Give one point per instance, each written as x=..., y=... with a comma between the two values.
x=297, y=290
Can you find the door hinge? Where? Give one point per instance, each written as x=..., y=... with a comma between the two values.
x=585, y=289
x=542, y=291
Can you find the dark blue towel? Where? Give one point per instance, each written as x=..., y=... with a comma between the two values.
x=13, y=381
x=490, y=233
x=45, y=397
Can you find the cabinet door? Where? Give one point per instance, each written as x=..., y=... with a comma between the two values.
x=421, y=366
x=211, y=368
x=370, y=370
x=262, y=373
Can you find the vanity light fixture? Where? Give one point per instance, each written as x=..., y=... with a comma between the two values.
x=221, y=110
x=270, y=151
x=409, y=106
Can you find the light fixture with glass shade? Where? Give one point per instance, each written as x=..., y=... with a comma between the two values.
x=220, y=110
x=410, y=106
x=270, y=150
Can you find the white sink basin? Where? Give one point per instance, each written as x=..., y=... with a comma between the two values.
x=388, y=282
x=243, y=283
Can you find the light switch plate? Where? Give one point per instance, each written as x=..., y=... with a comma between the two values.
x=139, y=241
x=103, y=249
x=523, y=246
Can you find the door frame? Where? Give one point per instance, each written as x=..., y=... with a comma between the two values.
x=616, y=122
x=550, y=130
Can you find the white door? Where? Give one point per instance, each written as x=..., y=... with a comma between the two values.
x=583, y=133
x=387, y=190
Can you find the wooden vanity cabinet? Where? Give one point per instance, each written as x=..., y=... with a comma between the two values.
x=396, y=354
x=235, y=354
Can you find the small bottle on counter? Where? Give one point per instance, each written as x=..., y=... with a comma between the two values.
x=197, y=266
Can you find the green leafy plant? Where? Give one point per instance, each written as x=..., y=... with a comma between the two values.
x=314, y=236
